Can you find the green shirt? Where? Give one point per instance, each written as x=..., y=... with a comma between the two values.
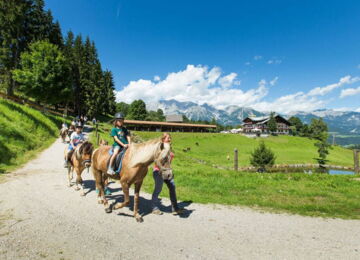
x=122, y=133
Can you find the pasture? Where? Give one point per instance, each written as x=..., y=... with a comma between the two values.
x=306, y=194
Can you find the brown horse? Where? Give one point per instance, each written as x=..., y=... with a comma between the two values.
x=135, y=165
x=63, y=133
x=80, y=159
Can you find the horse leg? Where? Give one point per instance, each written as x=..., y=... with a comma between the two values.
x=125, y=188
x=79, y=181
x=99, y=183
x=136, y=202
x=70, y=175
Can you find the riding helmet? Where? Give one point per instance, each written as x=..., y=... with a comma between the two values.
x=78, y=125
x=119, y=115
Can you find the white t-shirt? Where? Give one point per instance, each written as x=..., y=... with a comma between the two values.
x=77, y=138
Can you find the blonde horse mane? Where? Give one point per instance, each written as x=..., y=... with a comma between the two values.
x=145, y=153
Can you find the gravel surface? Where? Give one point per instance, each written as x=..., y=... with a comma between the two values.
x=42, y=218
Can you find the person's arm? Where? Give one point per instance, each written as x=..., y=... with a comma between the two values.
x=118, y=141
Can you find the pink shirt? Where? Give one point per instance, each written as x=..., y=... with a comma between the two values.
x=171, y=155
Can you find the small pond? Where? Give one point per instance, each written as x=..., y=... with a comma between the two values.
x=341, y=172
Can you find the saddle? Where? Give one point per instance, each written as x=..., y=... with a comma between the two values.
x=118, y=160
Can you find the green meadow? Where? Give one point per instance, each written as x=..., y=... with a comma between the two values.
x=199, y=181
x=24, y=132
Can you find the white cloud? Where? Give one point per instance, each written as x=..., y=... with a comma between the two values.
x=196, y=83
x=247, y=63
x=321, y=91
x=274, y=61
x=274, y=81
x=201, y=84
x=357, y=110
x=229, y=80
x=358, y=66
x=349, y=92
x=257, y=57
x=156, y=78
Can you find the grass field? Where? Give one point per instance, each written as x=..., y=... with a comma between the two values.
x=24, y=132
x=306, y=194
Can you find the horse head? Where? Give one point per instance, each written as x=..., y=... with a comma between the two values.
x=84, y=153
x=163, y=161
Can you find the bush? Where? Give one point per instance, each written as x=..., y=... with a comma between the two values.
x=262, y=157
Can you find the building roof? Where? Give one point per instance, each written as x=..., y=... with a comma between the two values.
x=155, y=123
x=264, y=119
x=174, y=118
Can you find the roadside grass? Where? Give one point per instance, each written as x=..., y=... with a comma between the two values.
x=305, y=194
x=24, y=132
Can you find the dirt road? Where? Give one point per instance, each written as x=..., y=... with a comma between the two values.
x=41, y=218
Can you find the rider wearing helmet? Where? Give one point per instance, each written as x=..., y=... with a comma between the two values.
x=121, y=139
x=76, y=138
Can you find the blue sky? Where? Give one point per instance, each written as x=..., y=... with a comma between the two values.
x=269, y=55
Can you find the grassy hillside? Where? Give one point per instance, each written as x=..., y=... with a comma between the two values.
x=24, y=132
x=214, y=148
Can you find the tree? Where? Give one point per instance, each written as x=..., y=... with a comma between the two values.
x=44, y=73
x=318, y=129
x=262, y=157
x=123, y=108
x=109, y=104
x=272, y=123
x=137, y=110
x=296, y=125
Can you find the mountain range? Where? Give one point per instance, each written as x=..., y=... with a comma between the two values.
x=340, y=122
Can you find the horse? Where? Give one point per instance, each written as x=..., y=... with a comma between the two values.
x=63, y=133
x=135, y=165
x=80, y=159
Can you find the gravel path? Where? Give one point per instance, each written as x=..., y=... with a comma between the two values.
x=41, y=218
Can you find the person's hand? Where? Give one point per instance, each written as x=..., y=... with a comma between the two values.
x=126, y=146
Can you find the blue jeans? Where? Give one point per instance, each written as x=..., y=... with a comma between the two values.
x=158, y=187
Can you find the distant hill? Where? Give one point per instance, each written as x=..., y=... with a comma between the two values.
x=346, y=124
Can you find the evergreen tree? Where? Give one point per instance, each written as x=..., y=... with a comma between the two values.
x=262, y=157
x=272, y=126
x=44, y=73
x=109, y=104
x=137, y=110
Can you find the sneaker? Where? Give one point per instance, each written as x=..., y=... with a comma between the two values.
x=111, y=172
x=178, y=211
x=107, y=191
x=157, y=212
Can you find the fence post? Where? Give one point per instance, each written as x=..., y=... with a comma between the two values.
x=96, y=129
x=236, y=160
x=98, y=137
x=356, y=161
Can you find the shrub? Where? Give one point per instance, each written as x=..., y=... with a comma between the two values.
x=262, y=157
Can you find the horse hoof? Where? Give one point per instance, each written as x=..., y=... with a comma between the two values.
x=118, y=205
x=100, y=202
x=108, y=210
x=139, y=219
x=82, y=194
x=77, y=188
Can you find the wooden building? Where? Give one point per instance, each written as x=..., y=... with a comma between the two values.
x=154, y=126
x=260, y=125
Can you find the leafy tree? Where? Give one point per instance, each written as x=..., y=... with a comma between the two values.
x=318, y=129
x=262, y=157
x=44, y=73
x=272, y=123
x=296, y=125
x=137, y=110
x=123, y=108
